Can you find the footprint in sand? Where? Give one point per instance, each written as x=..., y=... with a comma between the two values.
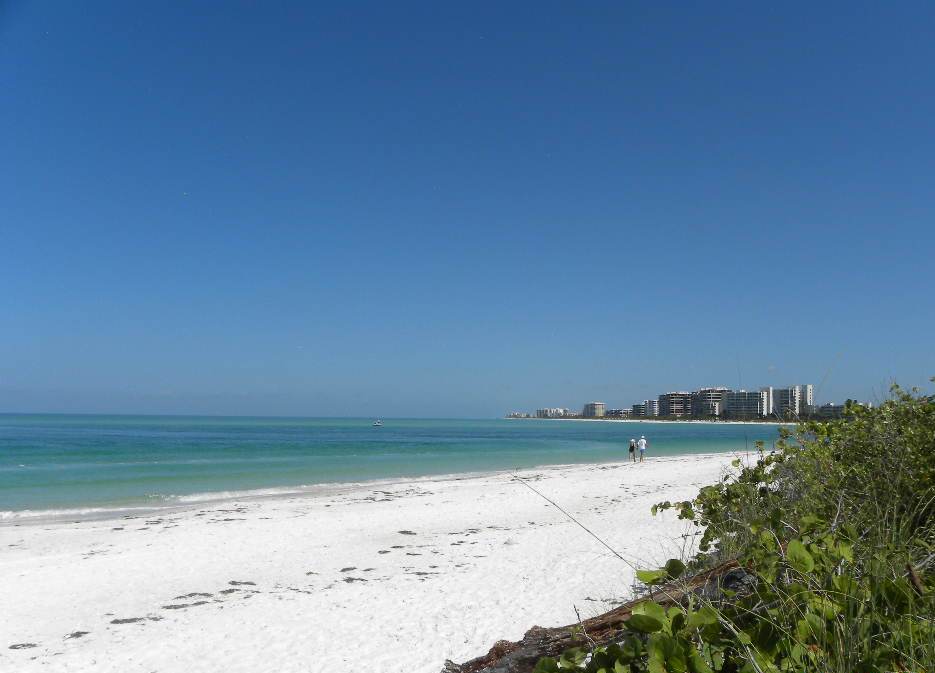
x=134, y=620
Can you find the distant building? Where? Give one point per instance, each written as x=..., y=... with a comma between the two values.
x=830, y=410
x=786, y=402
x=708, y=401
x=808, y=394
x=645, y=408
x=675, y=404
x=769, y=401
x=593, y=410
x=618, y=413
x=557, y=412
x=742, y=404
x=792, y=401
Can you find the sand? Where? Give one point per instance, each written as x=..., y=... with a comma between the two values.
x=373, y=576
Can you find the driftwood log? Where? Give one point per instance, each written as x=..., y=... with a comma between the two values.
x=522, y=656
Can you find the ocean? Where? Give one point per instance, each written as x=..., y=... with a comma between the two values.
x=83, y=464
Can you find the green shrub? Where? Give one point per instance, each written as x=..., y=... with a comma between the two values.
x=835, y=531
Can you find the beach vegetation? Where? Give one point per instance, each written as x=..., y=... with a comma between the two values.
x=833, y=533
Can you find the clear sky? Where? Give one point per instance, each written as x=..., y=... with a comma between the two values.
x=460, y=209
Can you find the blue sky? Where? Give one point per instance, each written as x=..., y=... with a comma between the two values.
x=435, y=209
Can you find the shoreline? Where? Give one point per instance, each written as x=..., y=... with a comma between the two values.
x=654, y=420
x=431, y=569
x=102, y=512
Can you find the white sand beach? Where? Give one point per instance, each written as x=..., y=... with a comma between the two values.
x=389, y=576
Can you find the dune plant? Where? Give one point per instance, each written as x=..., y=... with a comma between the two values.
x=835, y=535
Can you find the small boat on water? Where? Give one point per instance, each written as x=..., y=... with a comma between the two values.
x=378, y=423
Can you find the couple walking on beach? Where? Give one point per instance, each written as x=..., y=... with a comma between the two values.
x=634, y=445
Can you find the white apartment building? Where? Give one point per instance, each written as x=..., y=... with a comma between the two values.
x=793, y=401
x=593, y=410
x=769, y=400
x=675, y=404
x=708, y=401
x=743, y=404
x=556, y=412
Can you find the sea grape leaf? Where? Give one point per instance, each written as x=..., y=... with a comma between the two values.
x=644, y=624
x=651, y=609
x=704, y=616
x=655, y=666
x=546, y=665
x=674, y=568
x=697, y=663
x=676, y=619
x=572, y=658
x=799, y=558
x=647, y=617
x=810, y=628
x=651, y=577
x=665, y=654
x=809, y=522
x=630, y=649
x=846, y=551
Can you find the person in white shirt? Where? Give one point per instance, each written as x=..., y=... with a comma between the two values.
x=641, y=445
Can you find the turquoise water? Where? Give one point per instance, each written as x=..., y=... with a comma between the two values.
x=52, y=462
